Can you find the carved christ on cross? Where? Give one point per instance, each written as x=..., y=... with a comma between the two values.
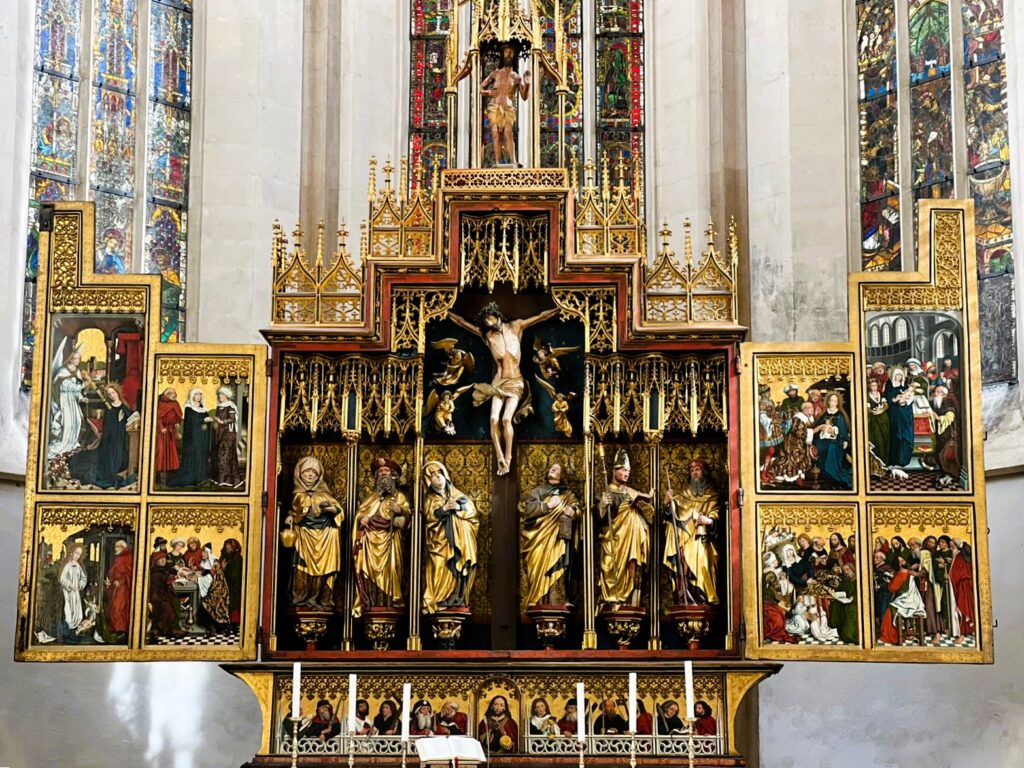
x=506, y=392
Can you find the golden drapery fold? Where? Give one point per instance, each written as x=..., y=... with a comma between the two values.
x=315, y=533
x=377, y=543
x=625, y=545
x=451, y=548
x=545, y=545
x=694, y=540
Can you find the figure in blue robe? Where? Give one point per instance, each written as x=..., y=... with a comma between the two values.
x=901, y=420
x=832, y=441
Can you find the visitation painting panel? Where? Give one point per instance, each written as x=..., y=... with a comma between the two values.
x=92, y=403
x=923, y=576
x=85, y=567
x=917, y=404
x=805, y=431
x=202, y=423
x=809, y=583
x=195, y=575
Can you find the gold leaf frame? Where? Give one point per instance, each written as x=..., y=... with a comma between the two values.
x=946, y=280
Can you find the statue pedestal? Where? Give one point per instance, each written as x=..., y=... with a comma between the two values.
x=310, y=624
x=624, y=622
x=551, y=622
x=380, y=626
x=693, y=621
x=447, y=626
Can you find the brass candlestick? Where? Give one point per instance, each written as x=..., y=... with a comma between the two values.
x=583, y=749
x=295, y=742
x=351, y=748
x=405, y=750
x=632, y=749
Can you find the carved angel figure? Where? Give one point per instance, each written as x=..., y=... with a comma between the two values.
x=443, y=407
x=546, y=358
x=459, y=361
x=559, y=407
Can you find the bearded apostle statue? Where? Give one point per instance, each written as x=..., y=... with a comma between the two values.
x=377, y=541
x=625, y=539
x=313, y=528
x=550, y=539
x=689, y=553
x=452, y=523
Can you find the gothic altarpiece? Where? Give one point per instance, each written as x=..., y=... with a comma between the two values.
x=503, y=439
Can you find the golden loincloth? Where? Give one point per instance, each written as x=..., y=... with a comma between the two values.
x=504, y=388
x=502, y=116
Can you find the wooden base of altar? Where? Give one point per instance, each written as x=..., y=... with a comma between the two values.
x=473, y=683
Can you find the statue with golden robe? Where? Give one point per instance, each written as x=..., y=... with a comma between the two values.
x=378, y=541
x=625, y=539
x=689, y=553
x=313, y=528
x=550, y=539
x=452, y=523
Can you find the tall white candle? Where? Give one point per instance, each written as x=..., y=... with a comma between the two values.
x=581, y=713
x=689, y=690
x=296, y=685
x=352, y=703
x=406, y=704
x=632, y=702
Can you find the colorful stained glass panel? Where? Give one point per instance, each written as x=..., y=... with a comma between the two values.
x=620, y=85
x=170, y=55
x=929, y=39
x=985, y=92
x=113, y=234
x=431, y=17
x=574, y=99
x=996, y=305
x=55, y=126
x=427, y=105
x=549, y=149
x=876, y=47
x=615, y=17
x=114, y=54
x=112, y=168
x=166, y=237
x=169, y=135
x=983, y=31
x=940, y=191
x=931, y=137
x=879, y=170
x=58, y=30
x=993, y=218
x=880, y=232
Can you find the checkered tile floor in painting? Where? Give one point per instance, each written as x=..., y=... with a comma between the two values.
x=917, y=481
x=220, y=639
x=945, y=642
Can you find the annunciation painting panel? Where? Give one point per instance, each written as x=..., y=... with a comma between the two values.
x=93, y=404
x=805, y=432
x=203, y=422
x=923, y=576
x=85, y=561
x=196, y=570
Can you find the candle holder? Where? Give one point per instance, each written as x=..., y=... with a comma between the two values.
x=295, y=742
x=351, y=749
x=405, y=752
x=583, y=749
x=632, y=749
x=690, y=746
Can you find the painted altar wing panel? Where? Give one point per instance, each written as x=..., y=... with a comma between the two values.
x=916, y=432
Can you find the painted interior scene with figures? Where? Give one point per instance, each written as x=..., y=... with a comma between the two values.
x=511, y=413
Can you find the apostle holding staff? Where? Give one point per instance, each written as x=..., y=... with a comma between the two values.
x=690, y=553
x=625, y=538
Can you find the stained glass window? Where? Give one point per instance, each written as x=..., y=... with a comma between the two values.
x=108, y=169
x=924, y=98
x=619, y=80
x=428, y=117
x=572, y=27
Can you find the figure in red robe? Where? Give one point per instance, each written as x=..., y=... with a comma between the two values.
x=498, y=731
x=129, y=347
x=118, y=595
x=774, y=617
x=168, y=417
x=906, y=602
x=193, y=554
x=961, y=579
x=705, y=724
x=451, y=722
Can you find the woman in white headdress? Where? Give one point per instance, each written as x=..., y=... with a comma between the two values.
x=227, y=425
x=72, y=582
x=66, y=402
x=195, y=444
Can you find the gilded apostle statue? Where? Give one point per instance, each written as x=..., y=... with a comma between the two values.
x=625, y=538
x=451, y=530
x=313, y=528
x=377, y=541
x=690, y=554
x=550, y=538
